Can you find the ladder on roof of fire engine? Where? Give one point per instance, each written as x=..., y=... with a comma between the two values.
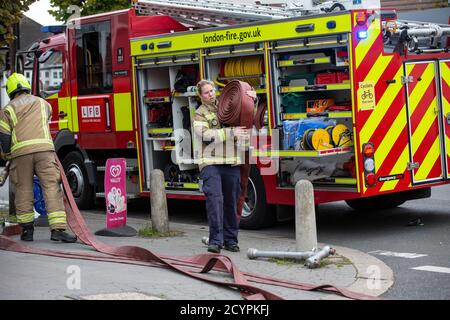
x=223, y=12
x=211, y=12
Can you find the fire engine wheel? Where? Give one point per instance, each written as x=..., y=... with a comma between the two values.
x=256, y=213
x=77, y=177
x=376, y=203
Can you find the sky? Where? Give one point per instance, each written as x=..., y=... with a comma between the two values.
x=39, y=13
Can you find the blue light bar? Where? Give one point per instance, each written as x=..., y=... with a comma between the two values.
x=53, y=29
x=362, y=35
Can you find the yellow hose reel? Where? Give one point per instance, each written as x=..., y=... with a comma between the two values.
x=340, y=135
x=328, y=138
x=242, y=67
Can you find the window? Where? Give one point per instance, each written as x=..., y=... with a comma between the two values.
x=27, y=75
x=60, y=74
x=94, y=61
x=50, y=63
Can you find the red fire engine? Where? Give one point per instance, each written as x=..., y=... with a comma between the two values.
x=357, y=101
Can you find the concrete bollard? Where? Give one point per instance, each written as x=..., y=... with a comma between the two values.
x=158, y=202
x=305, y=217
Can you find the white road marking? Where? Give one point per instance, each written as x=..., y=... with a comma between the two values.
x=432, y=269
x=399, y=254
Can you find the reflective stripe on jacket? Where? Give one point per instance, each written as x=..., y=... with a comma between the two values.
x=215, y=144
x=26, y=118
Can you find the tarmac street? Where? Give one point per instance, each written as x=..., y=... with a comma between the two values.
x=58, y=277
x=378, y=253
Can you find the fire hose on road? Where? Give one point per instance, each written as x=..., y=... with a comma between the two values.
x=194, y=266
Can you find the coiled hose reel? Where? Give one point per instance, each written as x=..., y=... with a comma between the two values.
x=328, y=138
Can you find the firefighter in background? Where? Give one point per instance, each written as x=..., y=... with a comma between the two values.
x=219, y=170
x=27, y=144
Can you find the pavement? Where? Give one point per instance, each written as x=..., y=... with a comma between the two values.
x=61, y=278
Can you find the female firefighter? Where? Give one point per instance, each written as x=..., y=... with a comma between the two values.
x=219, y=162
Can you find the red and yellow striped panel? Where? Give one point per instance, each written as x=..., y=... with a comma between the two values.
x=445, y=85
x=386, y=125
x=424, y=122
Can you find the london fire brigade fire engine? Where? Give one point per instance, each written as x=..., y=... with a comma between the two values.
x=356, y=101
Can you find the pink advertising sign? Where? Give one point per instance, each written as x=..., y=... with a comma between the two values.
x=115, y=193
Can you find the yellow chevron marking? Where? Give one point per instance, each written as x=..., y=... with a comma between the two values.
x=429, y=161
x=447, y=143
x=445, y=74
x=445, y=71
x=382, y=106
x=419, y=90
x=390, y=138
x=400, y=167
x=424, y=126
x=378, y=68
x=364, y=45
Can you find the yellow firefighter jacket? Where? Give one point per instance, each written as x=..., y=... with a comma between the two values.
x=26, y=118
x=215, y=144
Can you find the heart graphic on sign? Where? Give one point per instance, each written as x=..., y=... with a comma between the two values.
x=115, y=171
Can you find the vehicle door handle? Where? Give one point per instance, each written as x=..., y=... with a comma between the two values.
x=62, y=114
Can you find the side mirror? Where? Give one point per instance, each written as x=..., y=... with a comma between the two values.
x=19, y=64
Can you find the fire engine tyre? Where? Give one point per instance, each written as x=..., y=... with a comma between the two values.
x=256, y=213
x=77, y=176
x=376, y=203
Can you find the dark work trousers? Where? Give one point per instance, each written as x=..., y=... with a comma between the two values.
x=221, y=185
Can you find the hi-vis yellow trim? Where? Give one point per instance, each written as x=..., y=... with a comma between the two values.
x=391, y=136
x=431, y=158
x=222, y=135
x=381, y=108
x=44, y=116
x=445, y=78
x=26, y=143
x=345, y=181
x=160, y=130
x=74, y=114
x=281, y=29
x=201, y=124
x=53, y=96
x=381, y=64
x=5, y=126
x=268, y=85
x=183, y=185
x=288, y=63
x=64, y=106
x=339, y=86
x=219, y=160
x=122, y=111
x=364, y=45
x=25, y=217
x=285, y=153
x=12, y=114
x=400, y=166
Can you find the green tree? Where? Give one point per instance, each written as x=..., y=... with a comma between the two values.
x=86, y=7
x=10, y=14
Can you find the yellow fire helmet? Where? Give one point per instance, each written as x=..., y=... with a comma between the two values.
x=17, y=83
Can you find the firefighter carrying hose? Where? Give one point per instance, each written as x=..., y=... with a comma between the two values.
x=219, y=170
x=27, y=144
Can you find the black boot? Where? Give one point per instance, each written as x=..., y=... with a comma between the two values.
x=61, y=235
x=27, y=231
